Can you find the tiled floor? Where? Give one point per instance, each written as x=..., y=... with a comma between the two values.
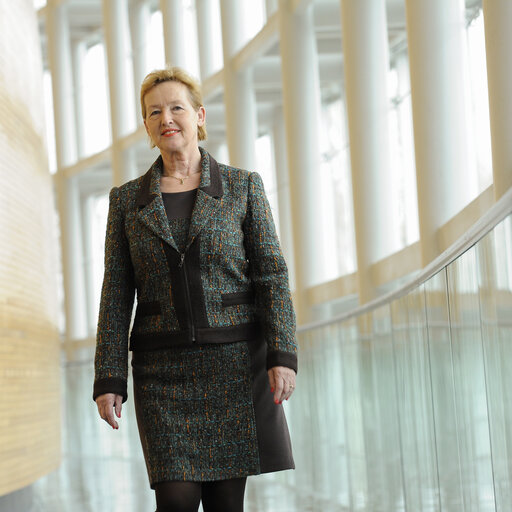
x=103, y=470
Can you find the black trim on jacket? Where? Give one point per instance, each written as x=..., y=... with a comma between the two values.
x=208, y=335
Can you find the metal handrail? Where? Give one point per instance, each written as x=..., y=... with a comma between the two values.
x=489, y=220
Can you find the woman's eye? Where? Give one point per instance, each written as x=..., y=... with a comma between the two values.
x=177, y=107
x=154, y=112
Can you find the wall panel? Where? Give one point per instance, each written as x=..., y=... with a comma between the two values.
x=29, y=343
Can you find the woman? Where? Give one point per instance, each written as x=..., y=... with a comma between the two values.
x=213, y=339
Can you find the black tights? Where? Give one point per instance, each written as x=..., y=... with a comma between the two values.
x=218, y=496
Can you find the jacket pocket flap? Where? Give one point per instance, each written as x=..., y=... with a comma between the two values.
x=235, y=298
x=148, y=308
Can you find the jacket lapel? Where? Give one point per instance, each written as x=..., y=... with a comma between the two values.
x=151, y=206
x=208, y=196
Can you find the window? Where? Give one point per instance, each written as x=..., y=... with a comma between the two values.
x=401, y=142
x=156, y=50
x=480, y=133
x=336, y=183
x=254, y=17
x=95, y=103
x=265, y=168
x=191, y=46
x=218, y=57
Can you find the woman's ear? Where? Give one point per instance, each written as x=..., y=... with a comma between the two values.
x=201, y=116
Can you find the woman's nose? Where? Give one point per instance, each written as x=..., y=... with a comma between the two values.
x=166, y=117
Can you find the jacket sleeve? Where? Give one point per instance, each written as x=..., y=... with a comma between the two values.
x=269, y=276
x=117, y=297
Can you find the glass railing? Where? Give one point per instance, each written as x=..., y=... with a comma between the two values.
x=406, y=404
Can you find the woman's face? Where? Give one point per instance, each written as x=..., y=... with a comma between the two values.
x=171, y=120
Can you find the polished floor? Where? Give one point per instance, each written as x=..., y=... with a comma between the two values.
x=103, y=470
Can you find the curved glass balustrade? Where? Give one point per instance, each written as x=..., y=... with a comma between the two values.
x=405, y=405
x=408, y=406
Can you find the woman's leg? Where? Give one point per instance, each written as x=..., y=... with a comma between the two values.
x=178, y=496
x=224, y=495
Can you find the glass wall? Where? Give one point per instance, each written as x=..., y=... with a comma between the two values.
x=408, y=407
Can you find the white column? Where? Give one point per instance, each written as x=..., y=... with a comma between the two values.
x=301, y=107
x=435, y=31
x=85, y=213
x=366, y=62
x=75, y=303
x=239, y=98
x=174, y=32
x=59, y=55
x=270, y=7
x=283, y=190
x=498, y=42
x=140, y=17
x=79, y=52
x=131, y=169
x=204, y=16
x=115, y=22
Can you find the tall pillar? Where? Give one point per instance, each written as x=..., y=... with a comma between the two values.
x=140, y=17
x=435, y=32
x=71, y=222
x=239, y=98
x=59, y=56
x=270, y=7
x=173, y=18
x=85, y=212
x=498, y=41
x=283, y=190
x=204, y=16
x=120, y=78
x=366, y=62
x=131, y=170
x=301, y=107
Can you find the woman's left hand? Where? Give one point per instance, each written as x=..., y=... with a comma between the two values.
x=282, y=382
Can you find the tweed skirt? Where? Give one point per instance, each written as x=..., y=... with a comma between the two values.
x=206, y=413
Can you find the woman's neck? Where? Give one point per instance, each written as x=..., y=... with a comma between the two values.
x=181, y=164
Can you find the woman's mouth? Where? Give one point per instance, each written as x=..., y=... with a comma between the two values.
x=169, y=133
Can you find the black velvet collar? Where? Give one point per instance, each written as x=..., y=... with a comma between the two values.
x=210, y=183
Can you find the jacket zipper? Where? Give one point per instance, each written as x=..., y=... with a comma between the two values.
x=189, y=302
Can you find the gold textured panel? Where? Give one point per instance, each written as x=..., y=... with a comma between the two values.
x=29, y=342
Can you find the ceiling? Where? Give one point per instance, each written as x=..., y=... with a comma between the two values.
x=86, y=25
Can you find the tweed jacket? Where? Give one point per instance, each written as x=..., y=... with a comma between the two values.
x=230, y=284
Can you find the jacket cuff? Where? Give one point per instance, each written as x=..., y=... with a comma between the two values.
x=110, y=385
x=278, y=358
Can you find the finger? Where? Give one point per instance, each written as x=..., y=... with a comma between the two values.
x=109, y=418
x=272, y=380
x=288, y=378
x=118, y=405
x=106, y=410
x=289, y=391
x=291, y=385
x=279, y=390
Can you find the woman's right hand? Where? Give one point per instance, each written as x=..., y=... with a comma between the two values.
x=106, y=404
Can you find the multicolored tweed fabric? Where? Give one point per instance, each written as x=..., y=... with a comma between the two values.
x=195, y=412
x=179, y=228
x=230, y=284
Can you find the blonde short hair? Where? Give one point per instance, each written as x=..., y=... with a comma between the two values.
x=174, y=74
